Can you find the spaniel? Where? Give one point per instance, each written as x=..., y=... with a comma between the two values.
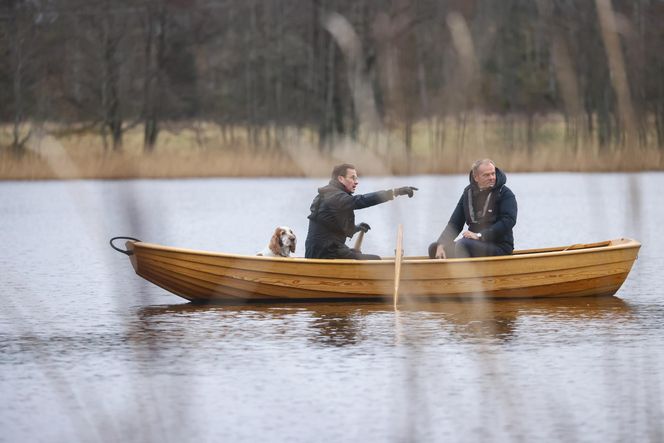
x=281, y=244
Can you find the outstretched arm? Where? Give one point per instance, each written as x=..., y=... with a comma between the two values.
x=374, y=198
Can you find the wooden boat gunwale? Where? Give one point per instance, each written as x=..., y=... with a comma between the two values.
x=621, y=243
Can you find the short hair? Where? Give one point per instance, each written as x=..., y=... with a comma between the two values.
x=341, y=170
x=477, y=163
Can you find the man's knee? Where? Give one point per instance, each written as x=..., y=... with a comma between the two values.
x=357, y=255
x=433, y=247
x=344, y=251
x=466, y=247
x=360, y=256
x=461, y=249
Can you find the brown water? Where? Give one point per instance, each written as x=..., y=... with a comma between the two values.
x=88, y=352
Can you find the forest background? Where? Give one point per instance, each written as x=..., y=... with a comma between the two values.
x=181, y=88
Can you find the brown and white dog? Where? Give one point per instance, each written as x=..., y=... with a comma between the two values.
x=282, y=243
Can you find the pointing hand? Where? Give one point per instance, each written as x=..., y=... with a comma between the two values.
x=406, y=190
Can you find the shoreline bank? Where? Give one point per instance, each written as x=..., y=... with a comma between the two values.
x=191, y=154
x=61, y=165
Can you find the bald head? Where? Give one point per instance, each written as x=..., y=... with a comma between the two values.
x=478, y=163
x=484, y=173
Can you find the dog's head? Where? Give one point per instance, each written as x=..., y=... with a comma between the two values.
x=283, y=240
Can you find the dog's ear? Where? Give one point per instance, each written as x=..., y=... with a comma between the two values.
x=275, y=242
x=292, y=245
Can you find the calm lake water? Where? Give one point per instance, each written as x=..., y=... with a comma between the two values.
x=91, y=353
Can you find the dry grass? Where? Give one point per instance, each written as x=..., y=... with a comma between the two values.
x=203, y=150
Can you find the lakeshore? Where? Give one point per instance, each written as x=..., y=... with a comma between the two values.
x=207, y=150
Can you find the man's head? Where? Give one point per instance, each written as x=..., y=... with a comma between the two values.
x=484, y=173
x=346, y=174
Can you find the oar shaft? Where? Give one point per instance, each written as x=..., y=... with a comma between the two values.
x=358, y=241
x=397, y=264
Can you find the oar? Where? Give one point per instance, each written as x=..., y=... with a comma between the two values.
x=358, y=241
x=397, y=264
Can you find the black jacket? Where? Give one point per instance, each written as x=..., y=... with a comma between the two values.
x=494, y=219
x=332, y=218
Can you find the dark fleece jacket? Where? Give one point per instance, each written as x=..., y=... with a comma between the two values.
x=493, y=219
x=332, y=218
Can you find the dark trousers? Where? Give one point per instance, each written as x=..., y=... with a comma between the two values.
x=353, y=254
x=339, y=250
x=466, y=247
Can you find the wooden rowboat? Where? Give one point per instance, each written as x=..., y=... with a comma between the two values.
x=594, y=269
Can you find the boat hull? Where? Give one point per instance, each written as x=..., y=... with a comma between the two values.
x=200, y=276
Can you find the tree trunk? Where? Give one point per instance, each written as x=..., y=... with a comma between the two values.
x=155, y=48
x=17, y=38
x=110, y=84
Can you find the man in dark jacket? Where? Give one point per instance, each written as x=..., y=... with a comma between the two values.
x=332, y=218
x=489, y=209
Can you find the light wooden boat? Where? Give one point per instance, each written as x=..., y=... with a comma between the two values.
x=595, y=269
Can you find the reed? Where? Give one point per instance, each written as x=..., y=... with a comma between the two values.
x=206, y=150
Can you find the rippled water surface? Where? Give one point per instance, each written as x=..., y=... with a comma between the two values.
x=90, y=352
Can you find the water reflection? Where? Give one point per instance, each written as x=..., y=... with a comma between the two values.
x=347, y=324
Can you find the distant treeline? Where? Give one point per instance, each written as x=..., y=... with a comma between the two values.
x=334, y=67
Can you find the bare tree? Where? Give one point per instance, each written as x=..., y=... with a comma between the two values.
x=20, y=29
